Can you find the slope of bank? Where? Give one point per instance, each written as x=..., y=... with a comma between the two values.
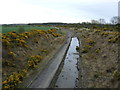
x=25, y=52
x=100, y=61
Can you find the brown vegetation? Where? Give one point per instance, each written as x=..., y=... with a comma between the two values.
x=100, y=60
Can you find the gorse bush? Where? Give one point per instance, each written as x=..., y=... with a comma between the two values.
x=11, y=54
x=90, y=41
x=14, y=79
x=104, y=34
x=17, y=78
x=33, y=61
x=13, y=39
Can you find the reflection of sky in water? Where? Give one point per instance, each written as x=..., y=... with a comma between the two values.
x=69, y=72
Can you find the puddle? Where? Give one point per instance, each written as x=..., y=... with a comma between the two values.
x=68, y=77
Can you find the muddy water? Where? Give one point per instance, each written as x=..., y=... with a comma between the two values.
x=68, y=77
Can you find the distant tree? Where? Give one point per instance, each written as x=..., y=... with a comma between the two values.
x=94, y=21
x=102, y=21
x=21, y=29
x=115, y=20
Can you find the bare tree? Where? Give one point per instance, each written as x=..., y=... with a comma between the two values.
x=115, y=20
x=94, y=21
x=102, y=21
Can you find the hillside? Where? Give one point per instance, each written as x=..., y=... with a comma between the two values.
x=24, y=52
x=99, y=57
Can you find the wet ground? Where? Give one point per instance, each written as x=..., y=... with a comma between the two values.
x=68, y=77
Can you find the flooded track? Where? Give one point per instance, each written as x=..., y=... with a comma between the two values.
x=68, y=75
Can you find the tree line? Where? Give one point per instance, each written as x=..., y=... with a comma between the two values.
x=114, y=20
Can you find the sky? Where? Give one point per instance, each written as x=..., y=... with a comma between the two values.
x=67, y=11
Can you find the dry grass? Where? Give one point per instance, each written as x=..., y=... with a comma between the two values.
x=100, y=61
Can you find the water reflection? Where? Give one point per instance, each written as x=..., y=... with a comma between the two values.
x=69, y=73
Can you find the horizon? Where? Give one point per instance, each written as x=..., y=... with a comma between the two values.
x=65, y=11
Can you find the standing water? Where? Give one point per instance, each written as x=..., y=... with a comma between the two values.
x=68, y=76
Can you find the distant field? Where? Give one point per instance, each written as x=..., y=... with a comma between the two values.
x=0, y=29
x=6, y=29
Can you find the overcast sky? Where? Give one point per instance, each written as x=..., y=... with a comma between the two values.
x=70, y=11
